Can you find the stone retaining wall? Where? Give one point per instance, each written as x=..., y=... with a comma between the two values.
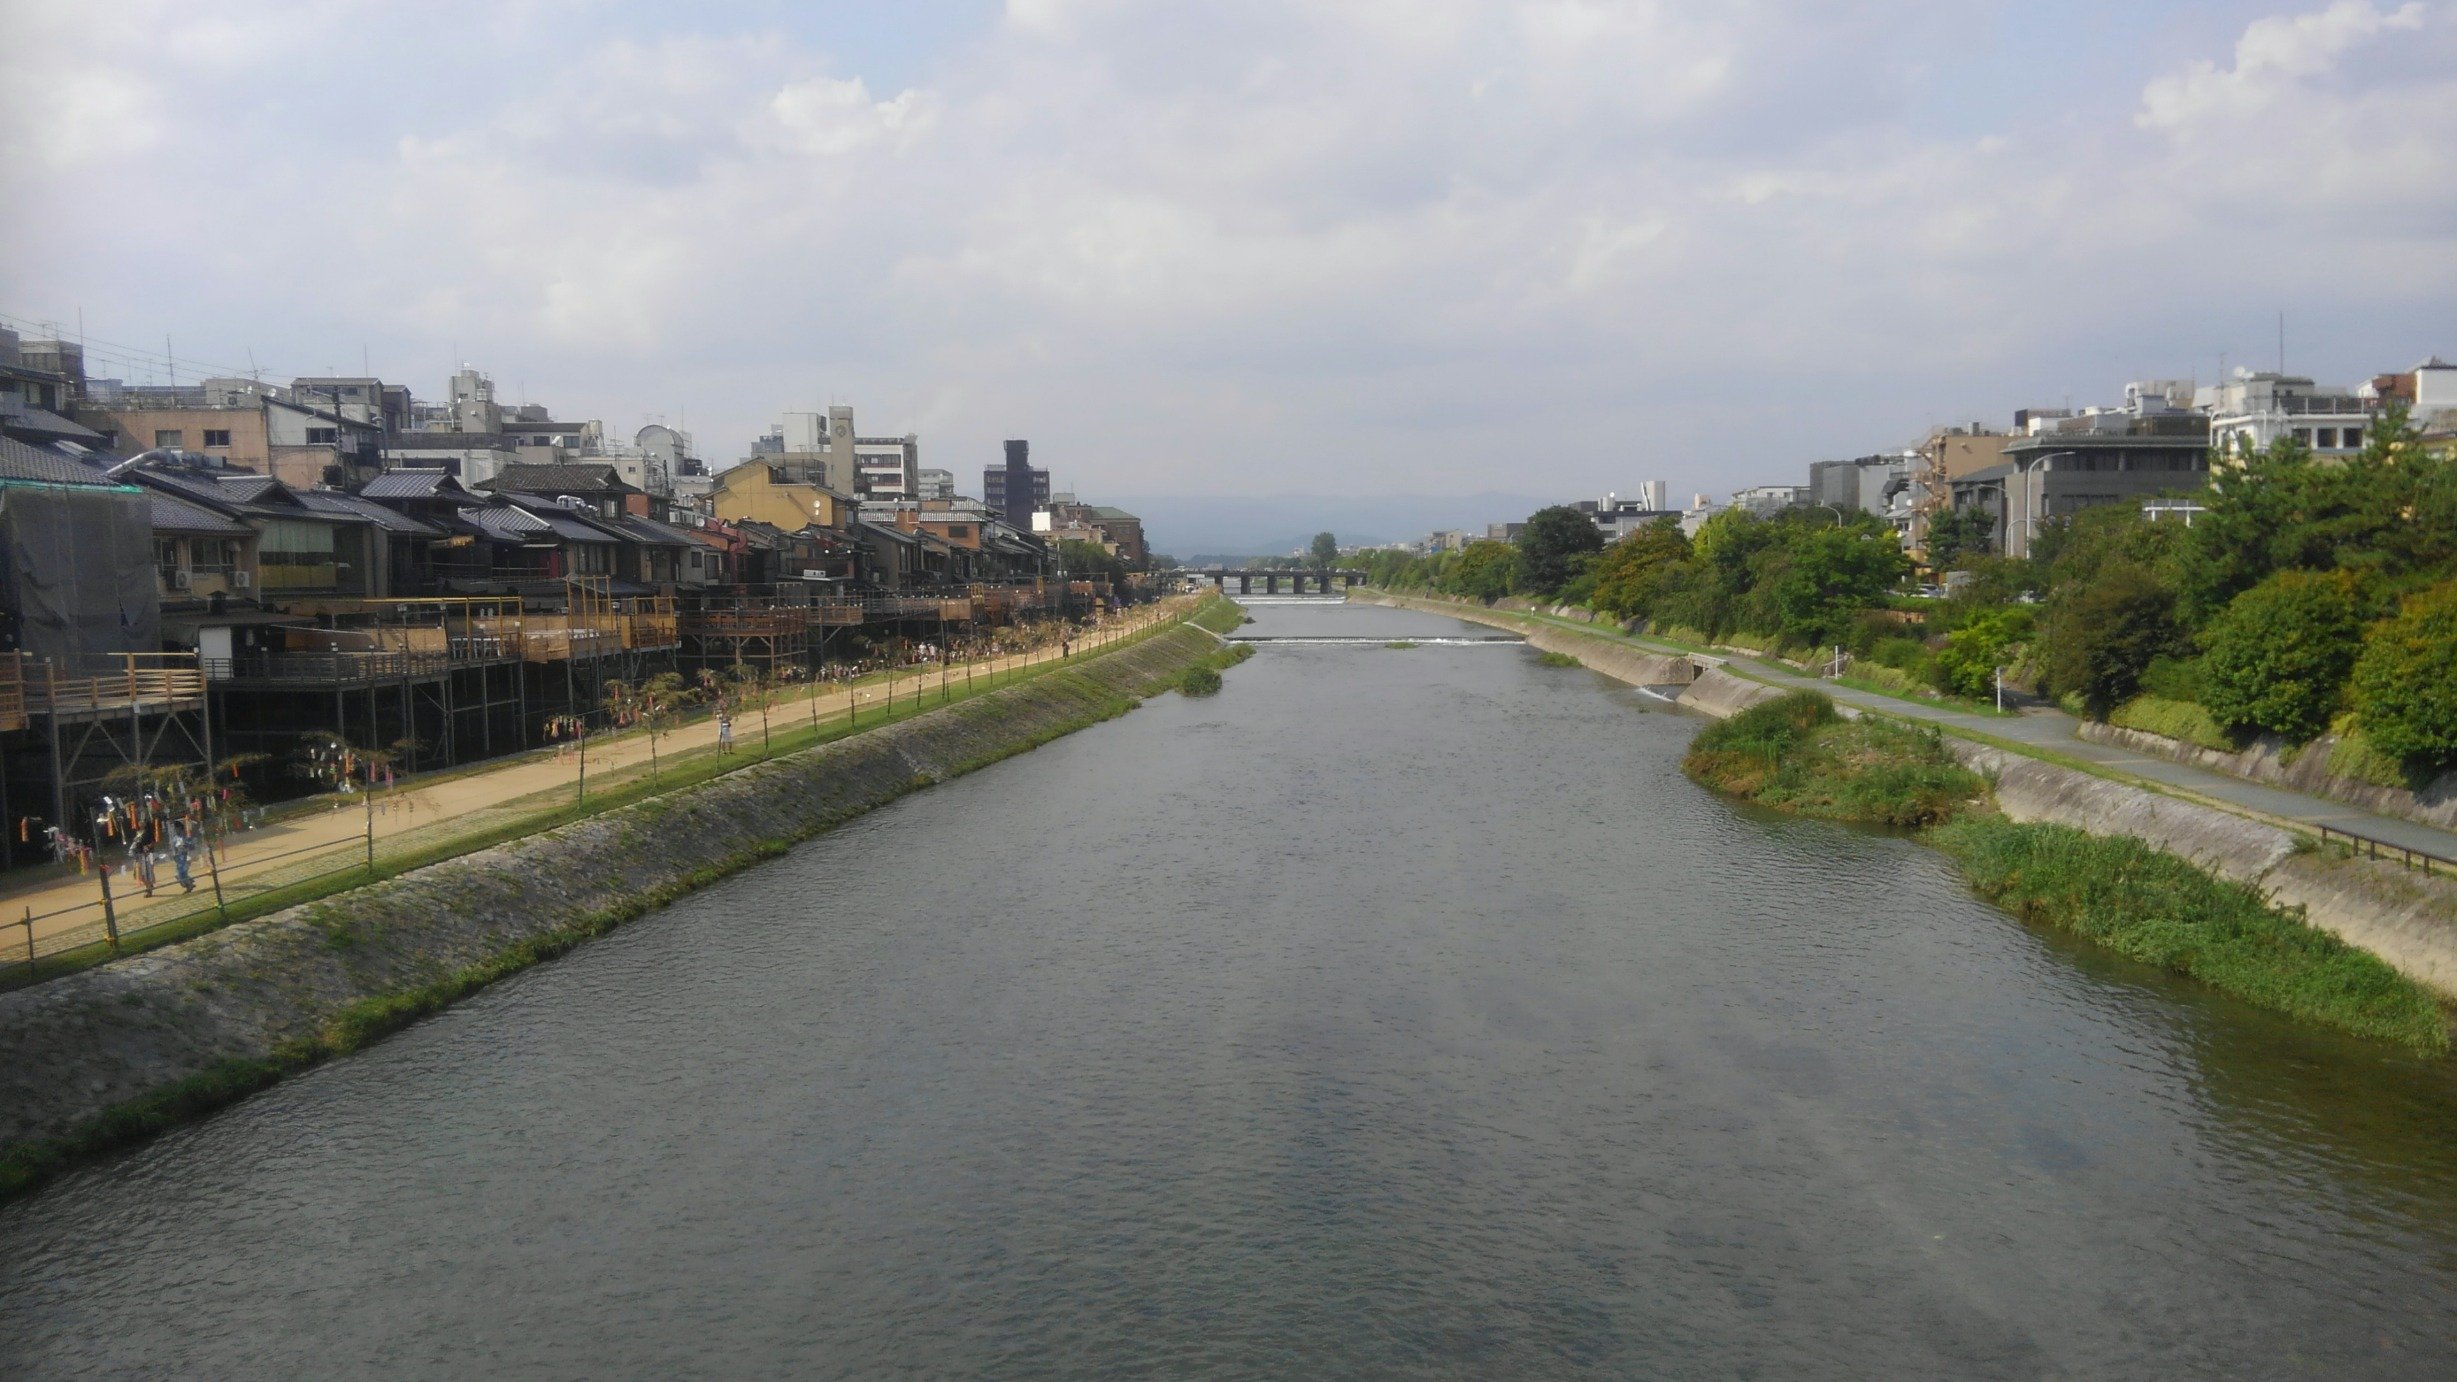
x=254, y=991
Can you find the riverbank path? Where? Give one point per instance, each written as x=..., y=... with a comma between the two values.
x=2053, y=732
x=329, y=832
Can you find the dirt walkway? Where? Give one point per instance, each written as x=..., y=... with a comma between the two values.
x=68, y=910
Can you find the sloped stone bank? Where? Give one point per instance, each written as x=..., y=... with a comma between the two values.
x=119, y=1050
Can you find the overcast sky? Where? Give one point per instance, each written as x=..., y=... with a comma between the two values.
x=1236, y=246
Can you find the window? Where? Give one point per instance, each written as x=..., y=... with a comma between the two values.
x=2352, y=438
x=2328, y=440
x=323, y=436
x=171, y=438
x=2303, y=436
x=217, y=436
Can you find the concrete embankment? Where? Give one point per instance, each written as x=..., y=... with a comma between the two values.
x=2406, y=918
x=118, y=1050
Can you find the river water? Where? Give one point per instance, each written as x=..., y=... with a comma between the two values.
x=1397, y=1011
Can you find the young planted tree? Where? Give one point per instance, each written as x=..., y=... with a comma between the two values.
x=654, y=704
x=752, y=684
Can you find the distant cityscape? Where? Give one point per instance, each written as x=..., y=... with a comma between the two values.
x=2155, y=448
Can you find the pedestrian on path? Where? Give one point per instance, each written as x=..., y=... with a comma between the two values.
x=182, y=845
x=725, y=732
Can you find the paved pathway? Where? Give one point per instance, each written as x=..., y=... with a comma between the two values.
x=2052, y=730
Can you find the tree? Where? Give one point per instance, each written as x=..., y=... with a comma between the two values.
x=1326, y=550
x=2280, y=653
x=1958, y=536
x=1972, y=654
x=1482, y=571
x=1807, y=583
x=1546, y=544
x=2103, y=635
x=653, y=704
x=1631, y=572
x=2405, y=681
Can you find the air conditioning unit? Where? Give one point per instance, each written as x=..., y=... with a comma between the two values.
x=181, y=580
x=241, y=580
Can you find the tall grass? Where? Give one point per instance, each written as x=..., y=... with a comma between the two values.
x=2162, y=910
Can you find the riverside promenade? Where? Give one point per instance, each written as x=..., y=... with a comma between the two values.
x=61, y=909
x=2038, y=730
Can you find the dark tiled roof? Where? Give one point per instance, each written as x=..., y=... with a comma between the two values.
x=173, y=514
x=653, y=533
x=34, y=424
x=504, y=523
x=250, y=488
x=25, y=461
x=367, y=510
x=557, y=479
x=412, y=482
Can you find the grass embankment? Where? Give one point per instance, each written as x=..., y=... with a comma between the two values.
x=1797, y=754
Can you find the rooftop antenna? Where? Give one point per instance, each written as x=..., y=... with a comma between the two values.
x=168, y=362
x=363, y=367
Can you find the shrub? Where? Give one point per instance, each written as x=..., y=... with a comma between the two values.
x=2405, y=681
x=2174, y=719
x=2280, y=652
x=1973, y=652
x=1199, y=680
x=1901, y=654
x=2175, y=678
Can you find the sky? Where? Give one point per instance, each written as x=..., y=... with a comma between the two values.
x=1247, y=247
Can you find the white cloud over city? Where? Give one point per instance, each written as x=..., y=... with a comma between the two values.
x=1431, y=247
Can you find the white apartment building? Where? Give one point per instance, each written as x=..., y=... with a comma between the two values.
x=2251, y=409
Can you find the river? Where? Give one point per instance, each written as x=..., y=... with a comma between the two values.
x=1396, y=1011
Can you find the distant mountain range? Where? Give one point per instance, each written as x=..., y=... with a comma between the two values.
x=1188, y=526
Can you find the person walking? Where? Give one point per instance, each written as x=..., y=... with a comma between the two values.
x=725, y=731
x=182, y=846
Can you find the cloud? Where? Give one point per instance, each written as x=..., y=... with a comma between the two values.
x=1429, y=244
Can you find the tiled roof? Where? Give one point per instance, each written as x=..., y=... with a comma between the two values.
x=654, y=533
x=506, y=524
x=350, y=505
x=556, y=479
x=25, y=461
x=173, y=514
x=34, y=424
x=410, y=483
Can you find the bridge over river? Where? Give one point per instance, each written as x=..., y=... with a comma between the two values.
x=1272, y=576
